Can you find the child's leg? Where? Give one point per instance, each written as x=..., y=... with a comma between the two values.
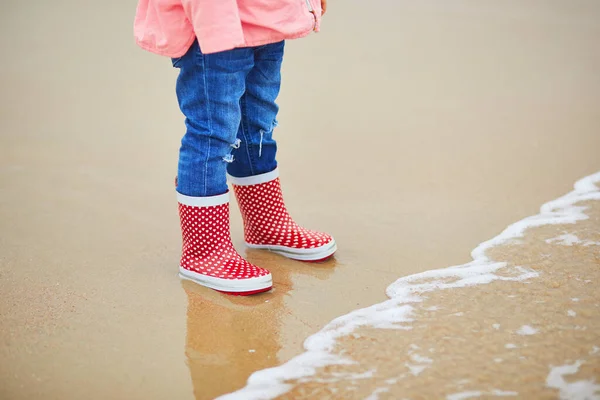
x=209, y=88
x=254, y=174
x=256, y=154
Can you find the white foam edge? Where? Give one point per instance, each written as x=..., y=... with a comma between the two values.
x=577, y=390
x=396, y=312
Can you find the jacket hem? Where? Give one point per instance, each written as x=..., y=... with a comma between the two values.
x=278, y=38
x=170, y=54
x=210, y=50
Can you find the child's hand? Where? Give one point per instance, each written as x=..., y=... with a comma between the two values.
x=323, y=7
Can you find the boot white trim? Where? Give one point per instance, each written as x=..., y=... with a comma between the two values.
x=203, y=201
x=228, y=285
x=314, y=254
x=255, y=179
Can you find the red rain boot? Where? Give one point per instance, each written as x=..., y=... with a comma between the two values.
x=267, y=224
x=208, y=256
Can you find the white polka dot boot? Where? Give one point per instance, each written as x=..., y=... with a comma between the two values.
x=208, y=256
x=267, y=224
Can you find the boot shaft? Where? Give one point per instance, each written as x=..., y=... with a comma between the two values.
x=204, y=224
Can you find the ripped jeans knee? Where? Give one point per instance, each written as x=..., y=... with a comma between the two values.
x=229, y=158
x=262, y=135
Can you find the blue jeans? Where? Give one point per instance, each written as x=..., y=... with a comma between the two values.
x=228, y=100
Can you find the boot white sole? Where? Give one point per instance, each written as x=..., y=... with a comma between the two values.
x=252, y=285
x=315, y=254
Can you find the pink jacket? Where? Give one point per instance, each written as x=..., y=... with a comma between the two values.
x=169, y=27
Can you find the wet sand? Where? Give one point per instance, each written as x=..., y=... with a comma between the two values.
x=533, y=339
x=410, y=132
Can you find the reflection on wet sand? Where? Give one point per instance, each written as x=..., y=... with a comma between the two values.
x=229, y=337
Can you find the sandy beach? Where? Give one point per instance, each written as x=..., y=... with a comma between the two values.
x=412, y=132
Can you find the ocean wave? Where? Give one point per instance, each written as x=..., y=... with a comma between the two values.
x=397, y=312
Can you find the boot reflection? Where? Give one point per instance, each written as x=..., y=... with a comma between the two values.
x=230, y=337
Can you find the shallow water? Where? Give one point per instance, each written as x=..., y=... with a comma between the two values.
x=410, y=132
x=520, y=319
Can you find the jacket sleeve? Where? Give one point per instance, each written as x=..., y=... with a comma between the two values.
x=216, y=23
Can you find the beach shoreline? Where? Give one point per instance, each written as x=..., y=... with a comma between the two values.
x=551, y=259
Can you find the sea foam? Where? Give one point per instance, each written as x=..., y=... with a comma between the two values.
x=396, y=313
